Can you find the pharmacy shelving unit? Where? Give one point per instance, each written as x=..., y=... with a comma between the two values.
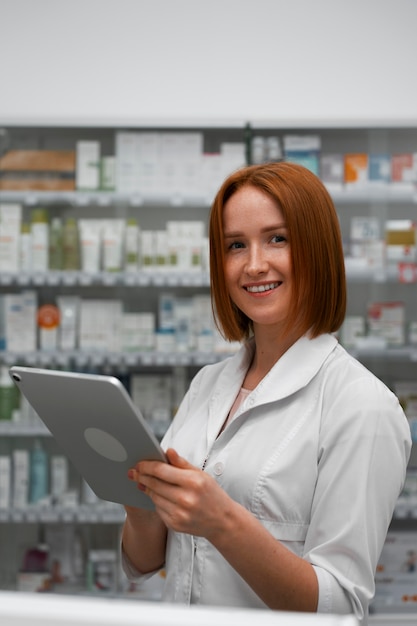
x=365, y=284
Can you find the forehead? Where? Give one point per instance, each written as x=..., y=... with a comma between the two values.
x=251, y=205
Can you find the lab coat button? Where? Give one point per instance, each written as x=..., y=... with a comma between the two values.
x=218, y=469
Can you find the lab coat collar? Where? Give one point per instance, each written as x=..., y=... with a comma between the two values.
x=293, y=371
x=296, y=368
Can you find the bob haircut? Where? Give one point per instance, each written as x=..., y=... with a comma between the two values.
x=319, y=283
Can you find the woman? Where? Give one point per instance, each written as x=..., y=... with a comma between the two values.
x=285, y=460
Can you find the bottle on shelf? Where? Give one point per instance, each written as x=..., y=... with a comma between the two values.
x=131, y=250
x=70, y=245
x=55, y=244
x=40, y=240
x=39, y=475
x=25, y=248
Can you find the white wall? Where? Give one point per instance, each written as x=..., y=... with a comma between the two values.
x=211, y=61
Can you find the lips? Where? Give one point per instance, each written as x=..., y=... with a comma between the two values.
x=262, y=288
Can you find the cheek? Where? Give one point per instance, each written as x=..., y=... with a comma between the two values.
x=231, y=278
x=287, y=265
x=230, y=271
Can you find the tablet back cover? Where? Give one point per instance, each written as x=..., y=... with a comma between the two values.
x=95, y=422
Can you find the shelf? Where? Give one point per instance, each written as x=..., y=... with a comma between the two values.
x=22, y=429
x=356, y=272
x=340, y=194
x=31, y=198
x=405, y=510
x=80, y=359
x=401, y=353
x=141, y=278
x=109, y=513
x=122, y=360
x=106, y=513
x=390, y=193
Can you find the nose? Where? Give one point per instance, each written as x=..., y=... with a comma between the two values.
x=257, y=261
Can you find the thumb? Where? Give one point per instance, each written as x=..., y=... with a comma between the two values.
x=176, y=460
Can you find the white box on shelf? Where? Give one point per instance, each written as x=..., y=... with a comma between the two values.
x=150, y=392
x=59, y=476
x=18, y=328
x=233, y=156
x=108, y=173
x=138, y=332
x=29, y=315
x=169, y=166
x=212, y=174
x=365, y=228
x=353, y=327
x=331, y=171
x=87, y=169
x=100, y=325
x=147, y=325
x=20, y=473
x=5, y=481
x=147, y=159
x=137, y=159
x=387, y=320
x=126, y=158
x=10, y=227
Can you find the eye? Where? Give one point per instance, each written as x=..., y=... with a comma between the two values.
x=278, y=239
x=235, y=245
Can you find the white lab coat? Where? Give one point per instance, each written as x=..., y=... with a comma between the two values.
x=317, y=452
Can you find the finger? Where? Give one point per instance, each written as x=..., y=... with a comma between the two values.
x=132, y=474
x=178, y=461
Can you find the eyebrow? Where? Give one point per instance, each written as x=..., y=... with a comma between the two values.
x=266, y=229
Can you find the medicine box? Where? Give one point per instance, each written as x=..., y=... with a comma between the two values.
x=387, y=320
x=356, y=169
x=87, y=173
x=304, y=150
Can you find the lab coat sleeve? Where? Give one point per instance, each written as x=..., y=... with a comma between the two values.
x=130, y=571
x=362, y=458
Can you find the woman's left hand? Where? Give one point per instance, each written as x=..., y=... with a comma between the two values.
x=186, y=498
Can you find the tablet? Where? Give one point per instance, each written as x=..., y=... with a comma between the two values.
x=97, y=426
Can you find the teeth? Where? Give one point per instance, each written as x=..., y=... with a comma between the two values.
x=261, y=288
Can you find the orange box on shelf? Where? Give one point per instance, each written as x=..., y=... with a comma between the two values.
x=37, y=184
x=356, y=168
x=38, y=161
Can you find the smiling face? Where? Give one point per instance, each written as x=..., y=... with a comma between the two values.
x=296, y=285
x=257, y=267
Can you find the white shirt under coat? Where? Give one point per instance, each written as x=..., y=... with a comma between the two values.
x=317, y=453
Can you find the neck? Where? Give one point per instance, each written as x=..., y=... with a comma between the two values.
x=268, y=350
